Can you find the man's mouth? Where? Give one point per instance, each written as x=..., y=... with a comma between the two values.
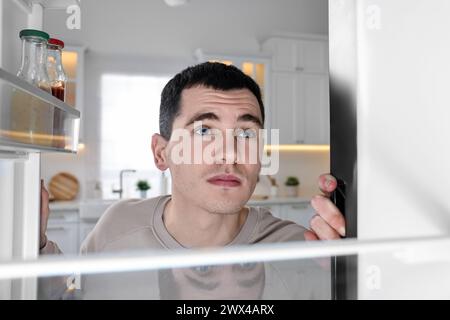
x=225, y=180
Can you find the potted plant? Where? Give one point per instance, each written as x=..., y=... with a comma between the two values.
x=292, y=184
x=143, y=186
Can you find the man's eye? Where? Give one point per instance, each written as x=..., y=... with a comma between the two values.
x=203, y=131
x=202, y=270
x=246, y=134
x=246, y=266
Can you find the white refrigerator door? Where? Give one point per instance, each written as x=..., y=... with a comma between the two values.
x=398, y=80
x=19, y=217
x=403, y=115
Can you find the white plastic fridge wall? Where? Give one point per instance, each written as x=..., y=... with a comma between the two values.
x=14, y=173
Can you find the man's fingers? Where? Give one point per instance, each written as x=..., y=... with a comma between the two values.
x=329, y=212
x=327, y=184
x=45, y=211
x=44, y=200
x=310, y=236
x=322, y=229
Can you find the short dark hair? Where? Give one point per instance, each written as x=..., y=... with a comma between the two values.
x=213, y=75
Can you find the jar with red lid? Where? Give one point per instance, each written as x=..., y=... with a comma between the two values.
x=55, y=68
x=58, y=81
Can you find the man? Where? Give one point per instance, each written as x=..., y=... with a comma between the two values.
x=207, y=206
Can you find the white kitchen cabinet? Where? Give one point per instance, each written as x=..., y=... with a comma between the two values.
x=66, y=228
x=65, y=235
x=62, y=229
x=313, y=99
x=312, y=56
x=298, y=210
x=285, y=111
x=275, y=209
x=300, y=213
x=86, y=226
x=300, y=104
x=255, y=66
x=305, y=55
x=284, y=54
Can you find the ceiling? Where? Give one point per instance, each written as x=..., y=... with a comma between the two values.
x=143, y=27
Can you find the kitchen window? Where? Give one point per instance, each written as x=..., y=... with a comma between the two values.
x=129, y=118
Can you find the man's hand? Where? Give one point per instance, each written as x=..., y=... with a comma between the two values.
x=45, y=211
x=328, y=223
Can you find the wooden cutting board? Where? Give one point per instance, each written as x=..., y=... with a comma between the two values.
x=63, y=187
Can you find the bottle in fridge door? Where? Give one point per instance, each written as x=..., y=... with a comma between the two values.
x=34, y=58
x=31, y=118
x=58, y=79
x=55, y=68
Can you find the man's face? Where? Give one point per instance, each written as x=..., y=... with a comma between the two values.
x=230, y=282
x=222, y=186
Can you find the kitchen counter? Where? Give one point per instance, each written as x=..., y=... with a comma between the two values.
x=278, y=200
x=75, y=204
x=64, y=205
x=71, y=221
x=93, y=209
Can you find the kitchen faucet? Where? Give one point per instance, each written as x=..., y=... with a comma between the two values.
x=120, y=190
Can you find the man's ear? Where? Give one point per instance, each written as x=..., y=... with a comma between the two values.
x=159, y=144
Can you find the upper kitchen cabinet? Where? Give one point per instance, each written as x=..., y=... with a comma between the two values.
x=299, y=106
x=299, y=89
x=73, y=63
x=257, y=67
x=304, y=55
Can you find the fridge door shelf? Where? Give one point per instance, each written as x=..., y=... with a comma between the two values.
x=33, y=120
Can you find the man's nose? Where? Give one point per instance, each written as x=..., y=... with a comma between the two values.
x=228, y=152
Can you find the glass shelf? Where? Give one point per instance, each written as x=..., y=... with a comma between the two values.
x=411, y=268
x=32, y=119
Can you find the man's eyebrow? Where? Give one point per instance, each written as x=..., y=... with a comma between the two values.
x=212, y=116
x=202, y=116
x=250, y=118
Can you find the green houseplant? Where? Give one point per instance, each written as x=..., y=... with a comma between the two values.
x=143, y=186
x=292, y=184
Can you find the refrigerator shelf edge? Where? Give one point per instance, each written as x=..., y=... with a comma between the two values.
x=38, y=93
x=33, y=120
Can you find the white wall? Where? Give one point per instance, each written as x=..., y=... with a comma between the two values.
x=147, y=37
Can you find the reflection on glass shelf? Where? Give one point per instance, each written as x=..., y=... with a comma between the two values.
x=297, y=280
x=382, y=269
x=32, y=118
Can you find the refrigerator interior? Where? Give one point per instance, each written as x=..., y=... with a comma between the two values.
x=21, y=148
x=389, y=72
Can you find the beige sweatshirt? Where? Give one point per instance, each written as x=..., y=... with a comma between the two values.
x=138, y=225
